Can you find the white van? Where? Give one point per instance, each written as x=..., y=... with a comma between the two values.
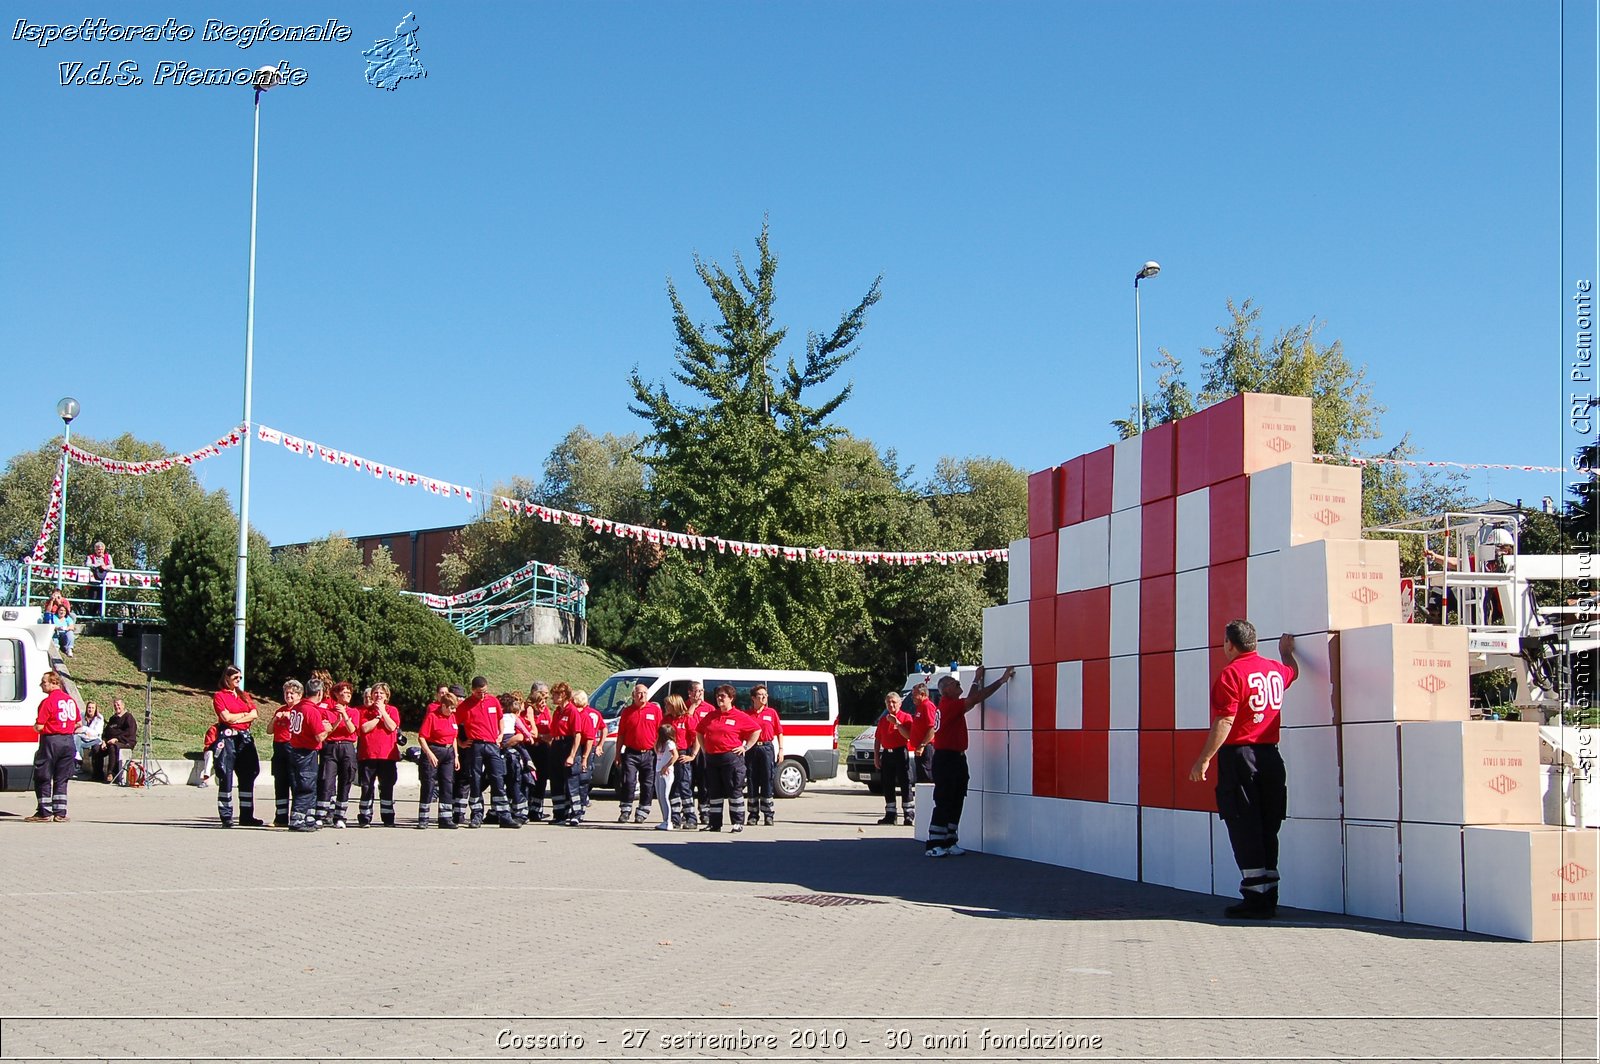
x=25, y=655
x=807, y=703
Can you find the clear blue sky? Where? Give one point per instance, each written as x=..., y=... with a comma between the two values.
x=453, y=274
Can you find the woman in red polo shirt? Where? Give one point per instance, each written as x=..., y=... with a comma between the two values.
x=235, y=749
x=726, y=734
x=377, y=756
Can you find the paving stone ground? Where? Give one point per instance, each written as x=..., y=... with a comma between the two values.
x=622, y=943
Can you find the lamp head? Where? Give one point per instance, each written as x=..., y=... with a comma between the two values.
x=1149, y=269
x=67, y=409
x=267, y=77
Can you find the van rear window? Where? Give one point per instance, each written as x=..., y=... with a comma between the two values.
x=13, y=684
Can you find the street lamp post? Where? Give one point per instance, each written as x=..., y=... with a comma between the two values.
x=67, y=409
x=1149, y=269
x=266, y=78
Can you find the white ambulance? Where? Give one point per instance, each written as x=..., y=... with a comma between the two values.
x=25, y=655
x=807, y=703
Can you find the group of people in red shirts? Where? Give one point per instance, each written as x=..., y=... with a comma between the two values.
x=690, y=757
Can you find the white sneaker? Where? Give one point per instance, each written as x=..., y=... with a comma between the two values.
x=663, y=827
x=954, y=851
x=937, y=851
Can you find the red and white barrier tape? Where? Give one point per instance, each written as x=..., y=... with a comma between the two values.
x=1417, y=463
x=122, y=468
x=79, y=574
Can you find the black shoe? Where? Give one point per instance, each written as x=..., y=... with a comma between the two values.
x=227, y=823
x=624, y=818
x=280, y=822
x=363, y=823
x=475, y=822
x=509, y=822
x=449, y=825
x=889, y=820
x=539, y=817
x=766, y=822
x=909, y=822
x=1247, y=910
x=302, y=827
x=252, y=822
x=422, y=824
x=713, y=827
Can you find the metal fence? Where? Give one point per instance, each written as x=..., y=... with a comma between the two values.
x=535, y=584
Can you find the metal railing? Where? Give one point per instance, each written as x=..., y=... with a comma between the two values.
x=122, y=595
x=536, y=584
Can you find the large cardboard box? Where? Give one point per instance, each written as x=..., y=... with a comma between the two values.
x=1191, y=689
x=1299, y=502
x=1229, y=503
x=1017, y=570
x=1191, y=602
x=1470, y=772
x=1127, y=529
x=1175, y=848
x=1431, y=890
x=1332, y=585
x=1311, y=861
x=1019, y=773
x=1001, y=836
x=1158, y=534
x=1122, y=780
x=1157, y=605
x=1127, y=472
x=1125, y=692
x=1252, y=432
x=995, y=755
x=969, y=833
x=1097, y=483
x=1042, y=504
x=1125, y=618
x=978, y=760
x=1069, y=696
x=1009, y=707
x=1159, y=451
x=1404, y=672
x=924, y=817
x=1045, y=551
x=1193, y=535
x=1109, y=841
x=1313, y=700
x=1533, y=884
x=1311, y=759
x=1156, y=672
x=1372, y=869
x=1371, y=759
x=1005, y=635
x=1224, y=869
x=1264, y=595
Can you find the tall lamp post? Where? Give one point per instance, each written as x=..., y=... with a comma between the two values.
x=1149, y=269
x=67, y=409
x=266, y=78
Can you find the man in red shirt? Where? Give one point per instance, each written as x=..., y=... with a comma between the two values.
x=950, y=760
x=725, y=735
x=339, y=756
x=919, y=732
x=307, y=726
x=282, y=761
x=591, y=733
x=763, y=759
x=636, y=750
x=56, y=758
x=889, y=758
x=1252, y=787
x=563, y=752
x=479, y=717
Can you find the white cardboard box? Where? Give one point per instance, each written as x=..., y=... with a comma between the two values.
x=1404, y=672
x=1069, y=696
x=1312, y=701
x=1332, y=585
x=1191, y=689
x=1311, y=758
x=1224, y=869
x=1069, y=559
x=997, y=762
x=978, y=761
x=1018, y=570
x=1311, y=862
x=1057, y=831
x=1122, y=781
x=1009, y=707
x=1431, y=890
x=1298, y=502
x=1470, y=772
x=1191, y=607
x=1176, y=848
x=1371, y=771
x=924, y=817
x=1194, y=530
x=999, y=826
x=1126, y=530
x=1019, y=774
x=1263, y=596
x=969, y=833
x=1093, y=541
x=1125, y=692
x=1372, y=869
x=1125, y=619
x=1005, y=635
x=1127, y=473
x=1532, y=884
x=1110, y=839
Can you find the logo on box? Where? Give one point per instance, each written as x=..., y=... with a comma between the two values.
x=1432, y=684
x=1573, y=872
x=1502, y=784
x=1326, y=516
x=1365, y=595
x=1278, y=445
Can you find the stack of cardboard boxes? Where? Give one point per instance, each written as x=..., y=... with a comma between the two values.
x=1137, y=555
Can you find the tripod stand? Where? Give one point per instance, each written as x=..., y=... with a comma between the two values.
x=149, y=776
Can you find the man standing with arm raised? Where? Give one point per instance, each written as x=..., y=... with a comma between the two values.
x=950, y=760
x=1252, y=788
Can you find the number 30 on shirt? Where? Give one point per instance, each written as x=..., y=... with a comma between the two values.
x=1266, y=692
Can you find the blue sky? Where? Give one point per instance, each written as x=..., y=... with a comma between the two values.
x=453, y=274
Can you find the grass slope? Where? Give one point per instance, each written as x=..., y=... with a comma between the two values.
x=105, y=668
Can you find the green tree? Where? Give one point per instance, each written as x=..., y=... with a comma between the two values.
x=748, y=458
x=338, y=554
x=136, y=517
